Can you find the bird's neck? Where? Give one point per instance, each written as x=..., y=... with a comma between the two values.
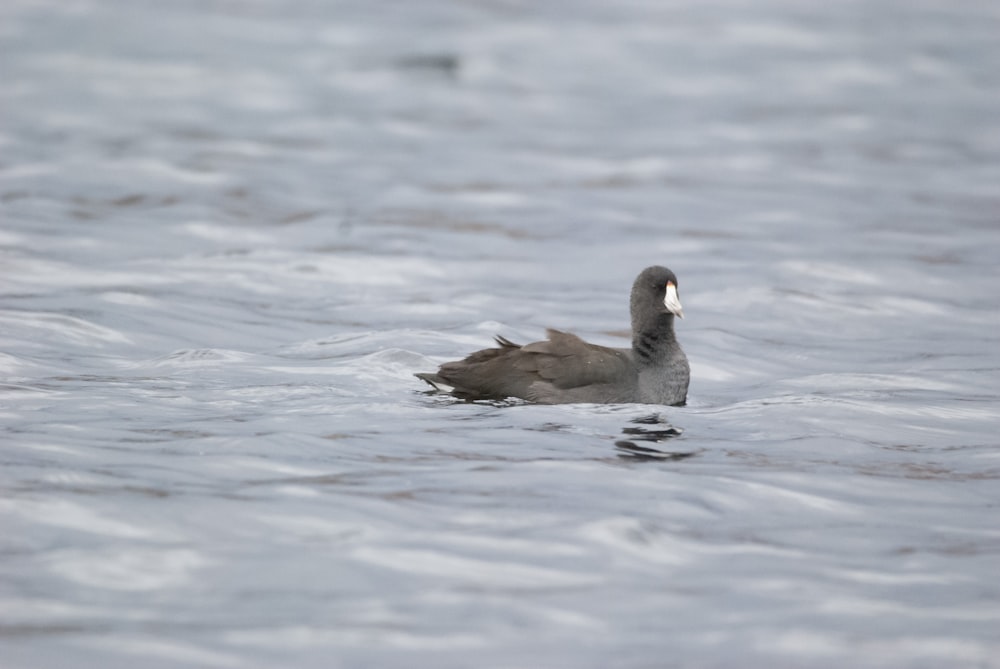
x=653, y=339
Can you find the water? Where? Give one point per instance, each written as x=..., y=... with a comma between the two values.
x=231, y=232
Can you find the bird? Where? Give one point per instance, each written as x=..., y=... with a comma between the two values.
x=564, y=368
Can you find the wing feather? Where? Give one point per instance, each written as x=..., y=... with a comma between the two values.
x=566, y=361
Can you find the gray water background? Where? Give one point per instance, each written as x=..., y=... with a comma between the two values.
x=232, y=231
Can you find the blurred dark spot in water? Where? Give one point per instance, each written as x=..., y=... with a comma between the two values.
x=627, y=448
x=631, y=451
x=441, y=64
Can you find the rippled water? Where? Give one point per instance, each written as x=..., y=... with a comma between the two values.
x=231, y=232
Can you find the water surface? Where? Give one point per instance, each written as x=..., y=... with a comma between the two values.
x=231, y=232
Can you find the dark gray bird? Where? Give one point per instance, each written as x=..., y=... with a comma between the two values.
x=564, y=368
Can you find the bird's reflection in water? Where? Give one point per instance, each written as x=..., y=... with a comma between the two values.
x=659, y=431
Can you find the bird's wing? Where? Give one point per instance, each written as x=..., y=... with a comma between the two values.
x=566, y=361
